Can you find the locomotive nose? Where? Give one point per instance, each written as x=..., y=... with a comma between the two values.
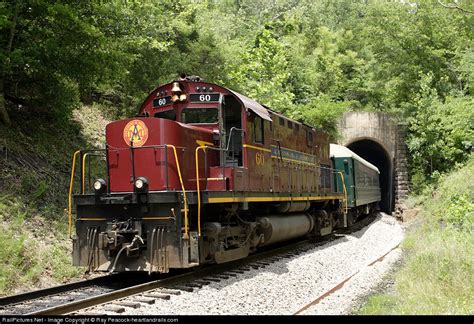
x=145, y=154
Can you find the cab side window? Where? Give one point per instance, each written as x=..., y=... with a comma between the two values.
x=258, y=130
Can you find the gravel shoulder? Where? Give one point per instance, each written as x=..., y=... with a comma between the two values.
x=299, y=285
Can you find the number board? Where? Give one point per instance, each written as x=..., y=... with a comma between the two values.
x=160, y=102
x=204, y=97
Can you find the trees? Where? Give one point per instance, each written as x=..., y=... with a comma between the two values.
x=51, y=53
x=312, y=60
x=263, y=73
x=441, y=133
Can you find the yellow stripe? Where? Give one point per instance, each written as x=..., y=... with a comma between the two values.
x=92, y=219
x=265, y=199
x=296, y=161
x=256, y=148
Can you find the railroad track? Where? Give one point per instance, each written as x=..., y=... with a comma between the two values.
x=35, y=301
x=113, y=292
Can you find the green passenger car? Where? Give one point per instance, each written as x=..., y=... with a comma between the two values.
x=361, y=178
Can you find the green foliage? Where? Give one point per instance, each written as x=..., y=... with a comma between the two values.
x=441, y=133
x=24, y=244
x=285, y=54
x=323, y=113
x=263, y=74
x=438, y=277
x=459, y=213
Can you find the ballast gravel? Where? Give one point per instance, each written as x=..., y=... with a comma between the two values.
x=298, y=285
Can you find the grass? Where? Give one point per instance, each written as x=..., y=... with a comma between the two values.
x=438, y=277
x=34, y=251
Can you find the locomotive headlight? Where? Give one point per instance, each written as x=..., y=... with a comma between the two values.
x=141, y=184
x=182, y=97
x=99, y=186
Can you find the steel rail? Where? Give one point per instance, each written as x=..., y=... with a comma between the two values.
x=193, y=274
x=15, y=299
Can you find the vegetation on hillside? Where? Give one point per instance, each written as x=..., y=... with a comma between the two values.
x=439, y=274
x=310, y=60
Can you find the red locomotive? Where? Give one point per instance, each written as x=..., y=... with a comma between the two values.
x=203, y=174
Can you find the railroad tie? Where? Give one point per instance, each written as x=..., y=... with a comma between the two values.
x=213, y=279
x=115, y=309
x=193, y=285
x=220, y=276
x=202, y=282
x=263, y=263
x=228, y=273
x=169, y=291
x=158, y=296
x=274, y=259
x=184, y=288
x=148, y=301
x=237, y=271
x=127, y=304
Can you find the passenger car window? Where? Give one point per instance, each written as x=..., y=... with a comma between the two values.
x=200, y=115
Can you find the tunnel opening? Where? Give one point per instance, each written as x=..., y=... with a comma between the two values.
x=378, y=156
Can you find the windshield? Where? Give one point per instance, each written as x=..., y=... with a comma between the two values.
x=199, y=115
x=167, y=114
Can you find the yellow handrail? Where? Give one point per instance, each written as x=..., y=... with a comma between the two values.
x=84, y=172
x=198, y=186
x=186, y=235
x=345, y=191
x=70, y=193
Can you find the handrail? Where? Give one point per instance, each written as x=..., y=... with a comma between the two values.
x=345, y=197
x=83, y=172
x=198, y=188
x=345, y=190
x=70, y=193
x=186, y=235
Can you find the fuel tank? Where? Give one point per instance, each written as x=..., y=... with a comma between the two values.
x=285, y=227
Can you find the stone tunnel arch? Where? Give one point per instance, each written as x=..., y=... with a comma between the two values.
x=380, y=139
x=375, y=152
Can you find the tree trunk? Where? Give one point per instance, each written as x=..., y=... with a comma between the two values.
x=3, y=110
x=4, y=117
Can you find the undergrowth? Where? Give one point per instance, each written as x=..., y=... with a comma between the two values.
x=438, y=277
x=35, y=161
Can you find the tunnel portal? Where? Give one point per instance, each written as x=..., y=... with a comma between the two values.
x=380, y=139
x=378, y=156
